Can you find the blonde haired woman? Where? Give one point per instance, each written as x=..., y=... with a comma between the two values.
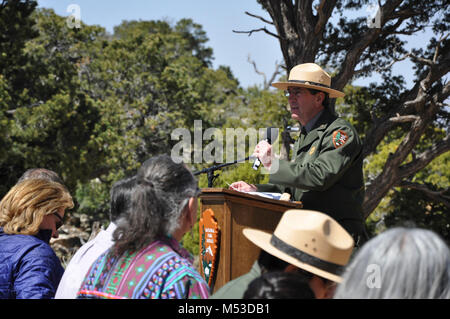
x=30, y=213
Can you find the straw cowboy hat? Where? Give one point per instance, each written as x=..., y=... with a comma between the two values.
x=311, y=76
x=308, y=239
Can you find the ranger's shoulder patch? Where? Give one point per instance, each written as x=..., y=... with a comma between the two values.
x=339, y=138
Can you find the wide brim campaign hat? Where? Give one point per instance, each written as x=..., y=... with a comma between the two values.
x=311, y=76
x=308, y=239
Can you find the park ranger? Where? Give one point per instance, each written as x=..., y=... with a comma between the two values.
x=325, y=173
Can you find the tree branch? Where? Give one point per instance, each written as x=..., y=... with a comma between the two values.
x=404, y=118
x=437, y=196
x=272, y=78
x=438, y=45
x=257, y=30
x=278, y=68
x=258, y=17
x=392, y=172
x=324, y=10
x=412, y=102
x=424, y=158
x=355, y=51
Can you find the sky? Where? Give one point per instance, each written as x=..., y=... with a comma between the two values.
x=218, y=18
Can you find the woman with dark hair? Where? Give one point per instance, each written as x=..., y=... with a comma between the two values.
x=147, y=260
x=76, y=270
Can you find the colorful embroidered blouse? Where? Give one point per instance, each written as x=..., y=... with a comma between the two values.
x=162, y=270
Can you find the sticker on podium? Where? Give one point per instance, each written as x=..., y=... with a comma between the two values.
x=209, y=245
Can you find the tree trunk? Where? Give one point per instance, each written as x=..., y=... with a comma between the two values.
x=300, y=32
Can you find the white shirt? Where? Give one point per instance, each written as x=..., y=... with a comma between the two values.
x=81, y=262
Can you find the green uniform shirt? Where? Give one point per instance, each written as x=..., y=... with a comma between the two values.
x=325, y=173
x=236, y=288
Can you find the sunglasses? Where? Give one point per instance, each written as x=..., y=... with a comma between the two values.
x=60, y=220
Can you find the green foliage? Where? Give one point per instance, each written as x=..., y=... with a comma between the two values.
x=263, y=108
x=356, y=107
x=411, y=207
x=93, y=200
x=17, y=28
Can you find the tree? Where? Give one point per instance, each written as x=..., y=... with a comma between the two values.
x=50, y=119
x=17, y=28
x=319, y=31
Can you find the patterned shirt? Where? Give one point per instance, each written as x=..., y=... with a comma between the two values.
x=162, y=270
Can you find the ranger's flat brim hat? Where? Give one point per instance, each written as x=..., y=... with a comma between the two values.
x=308, y=239
x=311, y=76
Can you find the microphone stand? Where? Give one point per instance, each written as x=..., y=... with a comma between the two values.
x=210, y=170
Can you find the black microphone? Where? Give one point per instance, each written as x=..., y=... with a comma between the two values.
x=271, y=132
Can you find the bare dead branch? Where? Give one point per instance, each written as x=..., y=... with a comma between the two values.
x=404, y=118
x=249, y=60
x=258, y=17
x=272, y=78
x=420, y=59
x=258, y=30
x=278, y=68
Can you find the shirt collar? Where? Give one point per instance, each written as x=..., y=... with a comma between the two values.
x=43, y=234
x=310, y=125
x=111, y=228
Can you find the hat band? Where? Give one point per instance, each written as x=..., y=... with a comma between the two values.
x=309, y=82
x=306, y=258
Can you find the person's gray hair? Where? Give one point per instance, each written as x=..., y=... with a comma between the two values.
x=41, y=173
x=163, y=189
x=399, y=263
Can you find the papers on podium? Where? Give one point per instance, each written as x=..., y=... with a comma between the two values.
x=266, y=194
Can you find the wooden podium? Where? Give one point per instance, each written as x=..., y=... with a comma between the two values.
x=235, y=211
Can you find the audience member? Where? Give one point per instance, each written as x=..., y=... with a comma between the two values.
x=279, y=285
x=30, y=213
x=312, y=241
x=399, y=263
x=80, y=263
x=41, y=173
x=147, y=260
